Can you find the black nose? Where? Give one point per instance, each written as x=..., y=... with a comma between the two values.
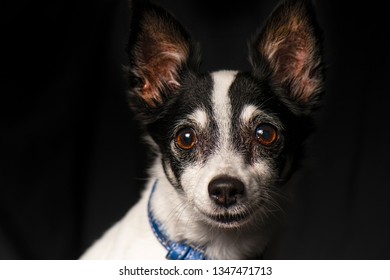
x=225, y=190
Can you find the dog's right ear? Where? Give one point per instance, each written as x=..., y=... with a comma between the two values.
x=160, y=50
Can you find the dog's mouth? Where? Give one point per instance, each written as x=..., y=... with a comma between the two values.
x=228, y=220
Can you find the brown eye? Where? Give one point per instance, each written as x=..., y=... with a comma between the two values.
x=186, y=138
x=266, y=134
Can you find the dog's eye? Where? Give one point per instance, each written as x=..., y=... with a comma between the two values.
x=186, y=138
x=266, y=134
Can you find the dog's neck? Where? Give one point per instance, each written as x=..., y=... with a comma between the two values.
x=183, y=224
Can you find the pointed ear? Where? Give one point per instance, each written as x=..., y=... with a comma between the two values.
x=288, y=50
x=159, y=50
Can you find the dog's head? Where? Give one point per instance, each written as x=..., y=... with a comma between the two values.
x=227, y=140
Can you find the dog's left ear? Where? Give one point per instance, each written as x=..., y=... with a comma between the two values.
x=288, y=50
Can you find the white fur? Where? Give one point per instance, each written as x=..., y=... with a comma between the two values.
x=200, y=117
x=248, y=113
x=184, y=216
x=222, y=108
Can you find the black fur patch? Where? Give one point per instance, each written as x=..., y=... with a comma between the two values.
x=194, y=94
x=247, y=89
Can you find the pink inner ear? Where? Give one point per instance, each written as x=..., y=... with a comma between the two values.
x=160, y=72
x=162, y=51
x=293, y=63
x=289, y=46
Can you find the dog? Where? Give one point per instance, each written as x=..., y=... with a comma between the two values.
x=225, y=143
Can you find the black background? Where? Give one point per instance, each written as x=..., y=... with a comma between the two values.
x=72, y=162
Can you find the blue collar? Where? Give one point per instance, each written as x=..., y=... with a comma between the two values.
x=176, y=250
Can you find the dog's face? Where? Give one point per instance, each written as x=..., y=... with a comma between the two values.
x=227, y=140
